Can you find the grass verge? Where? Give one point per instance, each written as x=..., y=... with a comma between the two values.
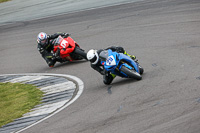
x=17, y=99
x=3, y=1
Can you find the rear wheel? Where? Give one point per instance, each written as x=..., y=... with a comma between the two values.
x=80, y=52
x=131, y=73
x=76, y=57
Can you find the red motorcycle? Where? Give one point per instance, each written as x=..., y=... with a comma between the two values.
x=66, y=49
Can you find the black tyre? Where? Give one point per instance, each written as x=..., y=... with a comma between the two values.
x=76, y=57
x=80, y=52
x=131, y=73
x=141, y=70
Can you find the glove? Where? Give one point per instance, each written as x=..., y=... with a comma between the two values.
x=41, y=50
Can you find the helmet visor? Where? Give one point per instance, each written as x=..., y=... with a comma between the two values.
x=43, y=42
x=93, y=59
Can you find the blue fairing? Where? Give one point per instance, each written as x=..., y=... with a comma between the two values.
x=115, y=55
x=113, y=61
x=129, y=60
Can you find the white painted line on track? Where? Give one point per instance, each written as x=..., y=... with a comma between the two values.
x=49, y=109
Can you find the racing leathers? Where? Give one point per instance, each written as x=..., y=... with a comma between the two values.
x=47, y=48
x=107, y=76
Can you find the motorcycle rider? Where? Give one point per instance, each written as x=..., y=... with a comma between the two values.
x=93, y=57
x=45, y=46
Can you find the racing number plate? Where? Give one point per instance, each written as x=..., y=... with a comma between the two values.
x=110, y=61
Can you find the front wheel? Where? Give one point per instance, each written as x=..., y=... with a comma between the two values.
x=141, y=70
x=131, y=73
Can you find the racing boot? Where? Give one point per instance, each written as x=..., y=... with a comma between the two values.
x=136, y=60
x=51, y=63
x=132, y=56
x=108, y=78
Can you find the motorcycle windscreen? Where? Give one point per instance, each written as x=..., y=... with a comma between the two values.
x=103, y=55
x=109, y=60
x=58, y=40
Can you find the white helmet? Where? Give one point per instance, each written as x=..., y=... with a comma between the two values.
x=93, y=56
x=42, y=38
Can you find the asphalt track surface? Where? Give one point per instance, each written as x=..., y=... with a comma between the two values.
x=20, y=10
x=163, y=34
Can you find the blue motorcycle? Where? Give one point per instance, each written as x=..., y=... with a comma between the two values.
x=120, y=64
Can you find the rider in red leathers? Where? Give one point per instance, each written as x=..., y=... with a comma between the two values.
x=45, y=46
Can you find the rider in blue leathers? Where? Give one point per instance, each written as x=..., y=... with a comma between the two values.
x=93, y=57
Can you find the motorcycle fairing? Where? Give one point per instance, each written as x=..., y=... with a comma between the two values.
x=114, y=58
x=66, y=46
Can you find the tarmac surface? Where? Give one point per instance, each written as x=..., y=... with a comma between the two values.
x=15, y=11
x=164, y=36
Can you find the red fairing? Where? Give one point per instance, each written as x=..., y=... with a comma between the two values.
x=68, y=45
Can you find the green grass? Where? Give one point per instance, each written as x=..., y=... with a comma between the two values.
x=17, y=99
x=3, y=1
